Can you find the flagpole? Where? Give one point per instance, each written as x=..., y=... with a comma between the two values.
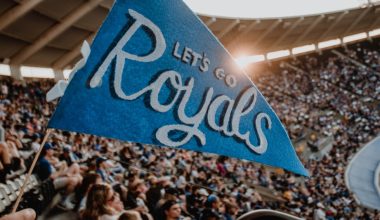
x=31, y=170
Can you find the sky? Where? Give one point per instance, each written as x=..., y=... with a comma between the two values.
x=270, y=8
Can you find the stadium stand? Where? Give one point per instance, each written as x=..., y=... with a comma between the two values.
x=318, y=99
x=329, y=101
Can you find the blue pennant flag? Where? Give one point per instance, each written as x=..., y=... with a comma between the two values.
x=156, y=75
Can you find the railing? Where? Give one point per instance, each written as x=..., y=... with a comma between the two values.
x=377, y=179
x=267, y=214
x=376, y=174
x=346, y=179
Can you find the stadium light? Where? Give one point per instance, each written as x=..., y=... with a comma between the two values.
x=278, y=54
x=33, y=72
x=303, y=49
x=329, y=43
x=354, y=37
x=375, y=32
x=242, y=61
x=5, y=70
x=246, y=60
x=27, y=71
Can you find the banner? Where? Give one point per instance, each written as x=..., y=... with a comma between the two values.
x=156, y=75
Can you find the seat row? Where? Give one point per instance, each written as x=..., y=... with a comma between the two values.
x=11, y=189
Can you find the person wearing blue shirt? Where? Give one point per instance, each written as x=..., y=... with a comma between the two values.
x=64, y=177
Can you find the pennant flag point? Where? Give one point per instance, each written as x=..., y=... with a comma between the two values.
x=156, y=75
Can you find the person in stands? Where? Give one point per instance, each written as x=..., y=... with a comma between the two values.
x=103, y=203
x=67, y=178
x=171, y=210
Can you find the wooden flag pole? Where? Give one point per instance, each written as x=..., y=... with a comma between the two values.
x=31, y=170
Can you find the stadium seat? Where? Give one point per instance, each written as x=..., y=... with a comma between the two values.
x=5, y=192
x=3, y=200
x=14, y=189
x=33, y=181
x=10, y=192
x=21, y=180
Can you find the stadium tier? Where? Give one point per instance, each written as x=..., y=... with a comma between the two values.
x=327, y=98
x=309, y=94
x=50, y=33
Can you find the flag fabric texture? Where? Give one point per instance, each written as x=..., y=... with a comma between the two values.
x=156, y=75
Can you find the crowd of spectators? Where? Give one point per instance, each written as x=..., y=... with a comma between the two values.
x=332, y=96
x=100, y=178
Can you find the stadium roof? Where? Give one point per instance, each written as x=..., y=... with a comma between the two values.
x=271, y=8
x=49, y=33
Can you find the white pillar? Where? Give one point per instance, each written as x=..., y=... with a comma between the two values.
x=58, y=75
x=16, y=72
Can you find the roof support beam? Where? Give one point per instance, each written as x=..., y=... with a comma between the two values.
x=243, y=34
x=374, y=23
x=267, y=31
x=53, y=32
x=16, y=72
x=65, y=60
x=210, y=21
x=332, y=25
x=308, y=30
x=58, y=75
x=287, y=32
x=357, y=21
x=107, y=4
x=17, y=12
x=228, y=29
